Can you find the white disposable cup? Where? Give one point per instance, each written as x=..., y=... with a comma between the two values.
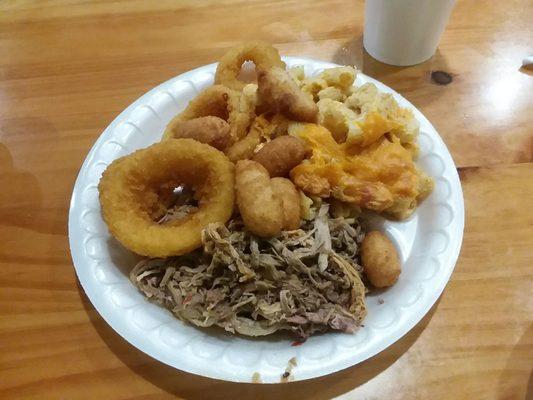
x=404, y=32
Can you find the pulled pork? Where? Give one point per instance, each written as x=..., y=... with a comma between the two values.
x=304, y=281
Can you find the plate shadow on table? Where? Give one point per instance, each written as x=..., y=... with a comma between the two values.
x=22, y=188
x=520, y=357
x=190, y=386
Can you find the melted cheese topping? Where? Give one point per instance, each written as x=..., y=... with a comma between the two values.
x=374, y=172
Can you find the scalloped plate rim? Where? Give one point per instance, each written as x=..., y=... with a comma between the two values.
x=135, y=338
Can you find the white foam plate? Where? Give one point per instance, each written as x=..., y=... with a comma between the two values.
x=428, y=243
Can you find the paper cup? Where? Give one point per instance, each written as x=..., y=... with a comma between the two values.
x=404, y=32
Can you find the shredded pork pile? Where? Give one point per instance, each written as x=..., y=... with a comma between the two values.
x=304, y=281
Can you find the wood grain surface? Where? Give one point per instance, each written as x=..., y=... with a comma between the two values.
x=67, y=68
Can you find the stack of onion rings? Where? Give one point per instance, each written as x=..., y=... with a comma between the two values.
x=135, y=191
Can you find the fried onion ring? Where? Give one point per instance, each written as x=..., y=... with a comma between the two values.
x=133, y=186
x=218, y=101
x=263, y=55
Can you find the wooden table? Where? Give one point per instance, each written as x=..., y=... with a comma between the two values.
x=67, y=68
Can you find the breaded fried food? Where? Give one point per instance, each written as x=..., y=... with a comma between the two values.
x=380, y=260
x=271, y=125
x=260, y=207
x=218, y=101
x=281, y=155
x=264, y=127
x=280, y=92
x=133, y=187
x=290, y=201
x=210, y=130
x=244, y=148
x=262, y=54
x=243, y=115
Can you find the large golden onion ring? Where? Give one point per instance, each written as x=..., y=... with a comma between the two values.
x=133, y=186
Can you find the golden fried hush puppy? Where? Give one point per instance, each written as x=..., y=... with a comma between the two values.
x=280, y=92
x=290, y=201
x=260, y=207
x=380, y=260
x=210, y=130
x=281, y=155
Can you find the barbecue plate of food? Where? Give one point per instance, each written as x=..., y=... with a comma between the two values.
x=267, y=230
